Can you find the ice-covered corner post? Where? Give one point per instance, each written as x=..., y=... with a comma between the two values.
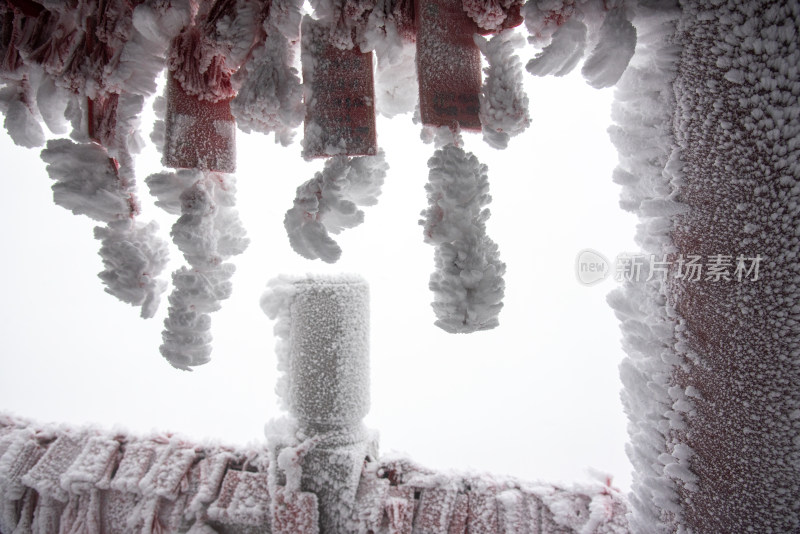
x=322, y=326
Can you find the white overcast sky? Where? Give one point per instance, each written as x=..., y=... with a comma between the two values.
x=537, y=398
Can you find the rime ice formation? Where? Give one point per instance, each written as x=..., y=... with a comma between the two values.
x=504, y=104
x=645, y=140
x=89, y=182
x=58, y=479
x=615, y=47
x=270, y=98
x=467, y=285
x=708, y=135
x=323, y=350
x=742, y=364
x=60, y=66
x=208, y=232
x=328, y=204
x=494, y=15
x=564, y=31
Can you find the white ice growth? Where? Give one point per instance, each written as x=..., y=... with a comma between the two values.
x=208, y=232
x=648, y=162
x=133, y=256
x=489, y=14
x=86, y=180
x=344, y=18
x=270, y=98
x=22, y=120
x=468, y=286
x=614, y=50
x=323, y=346
x=566, y=30
x=396, y=81
x=233, y=25
x=396, y=75
x=563, y=53
x=504, y=104
x=329, y=203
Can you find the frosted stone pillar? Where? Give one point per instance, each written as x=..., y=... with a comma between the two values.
x=323, y=326
x=328, y=372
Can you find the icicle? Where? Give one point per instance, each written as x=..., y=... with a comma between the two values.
x=504, y=104
x=328, y=204
x=468, y=286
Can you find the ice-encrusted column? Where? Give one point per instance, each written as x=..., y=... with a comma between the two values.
x=323, y=349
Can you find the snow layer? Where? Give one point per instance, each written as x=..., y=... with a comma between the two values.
x=504, y=104
x=468, y=286
x=329, y=202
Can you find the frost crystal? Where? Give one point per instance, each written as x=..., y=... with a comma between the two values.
x=208, y=232
x=504, y=104
x=468, y=286
x=328, y=203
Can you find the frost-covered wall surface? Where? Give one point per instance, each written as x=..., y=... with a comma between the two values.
x=707, y=118
x=57, y=479
x=738, y=133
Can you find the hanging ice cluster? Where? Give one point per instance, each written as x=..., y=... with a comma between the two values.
x=329, y=202
x=270, y=97
x=565, y=30
x=468, y=286
x=504, y=104
x=59, y=66
x=389, y=32
x=493, y=15
x=208, y=232
x=87, y=183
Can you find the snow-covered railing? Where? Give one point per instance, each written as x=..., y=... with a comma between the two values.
x=84, y=480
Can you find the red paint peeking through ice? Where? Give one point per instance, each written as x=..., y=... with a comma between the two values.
x=200, y=134
x=340, y=97
x=448, y=65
